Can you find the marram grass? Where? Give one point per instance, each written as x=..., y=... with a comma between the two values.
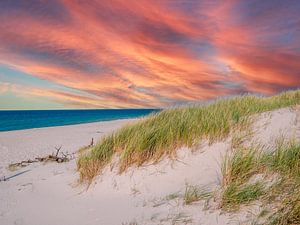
x=162, y=133
x=282, y=195
x=194, y=194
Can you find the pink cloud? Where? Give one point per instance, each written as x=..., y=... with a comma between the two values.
x=152, y=53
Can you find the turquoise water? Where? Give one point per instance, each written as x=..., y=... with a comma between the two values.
x=26, y=119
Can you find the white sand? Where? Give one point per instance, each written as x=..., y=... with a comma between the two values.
x=28, y=144
x=49, y=194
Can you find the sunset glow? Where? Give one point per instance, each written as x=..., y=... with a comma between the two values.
x=144, y=54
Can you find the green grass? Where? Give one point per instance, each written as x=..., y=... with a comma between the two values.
x=286, y=194
x=237, y=169
x=240, y=166
x=161, y=134
x=283, y=194
x=194, y=194
x=235, y=195
x=289, y=211
x=285, y=160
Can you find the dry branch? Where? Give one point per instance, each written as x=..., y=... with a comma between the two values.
x=59, y=158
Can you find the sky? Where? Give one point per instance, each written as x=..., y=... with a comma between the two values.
x=144, y=53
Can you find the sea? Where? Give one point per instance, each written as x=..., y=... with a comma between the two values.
x=27, y=119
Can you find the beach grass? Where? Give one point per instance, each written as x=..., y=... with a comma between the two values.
x=163, y=133
x=240, y=166
x=194, y=193
x=282, y=195
x=236, y=195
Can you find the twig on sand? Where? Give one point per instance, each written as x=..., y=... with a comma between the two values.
x=57, y=150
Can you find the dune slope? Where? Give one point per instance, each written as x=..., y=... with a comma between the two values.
x=187, y=188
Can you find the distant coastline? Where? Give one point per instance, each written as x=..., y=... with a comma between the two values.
x=27, y=119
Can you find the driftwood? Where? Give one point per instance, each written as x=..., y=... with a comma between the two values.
x=59, y=158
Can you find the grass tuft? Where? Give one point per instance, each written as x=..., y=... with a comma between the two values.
x=235, y=195
x=283, y=195
x=285, y=159
x=289, y=211
x=194, y=194
x=239, y=167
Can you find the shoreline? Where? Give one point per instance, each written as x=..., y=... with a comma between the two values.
x=69, y=125
x=30, y=119
x=26, y=144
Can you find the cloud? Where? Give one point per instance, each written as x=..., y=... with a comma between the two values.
x=262, y=44
x=4, y=87
x=152, y=53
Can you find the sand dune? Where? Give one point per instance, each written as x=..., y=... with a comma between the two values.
x=151, y=194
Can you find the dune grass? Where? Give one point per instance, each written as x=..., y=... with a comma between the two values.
x=194, y=194
x=162, y=133
x=237, y=169
x=283, y=194
x=240, y=166
x=235, y=195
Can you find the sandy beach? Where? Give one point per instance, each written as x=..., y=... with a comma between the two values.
x=23, y=197
x=27, y=144
x=149, y=112
x=50, y=193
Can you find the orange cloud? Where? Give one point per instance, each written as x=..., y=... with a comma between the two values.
x=151, y=53
x=4, y=87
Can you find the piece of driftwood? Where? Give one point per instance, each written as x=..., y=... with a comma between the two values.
x=58, y=157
